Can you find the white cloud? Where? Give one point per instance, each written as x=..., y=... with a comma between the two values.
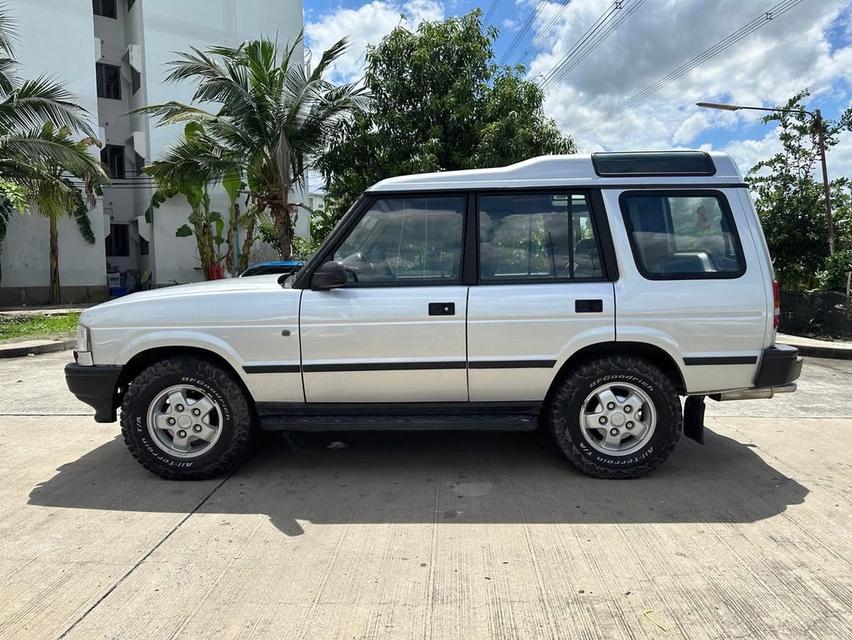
x=367, y=24
x=786, y=55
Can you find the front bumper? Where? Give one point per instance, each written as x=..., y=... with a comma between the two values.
x=96, y=386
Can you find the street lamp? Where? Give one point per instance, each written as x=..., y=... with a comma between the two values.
x=818, y=123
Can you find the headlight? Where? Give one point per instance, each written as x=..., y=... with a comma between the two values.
x=84, y=341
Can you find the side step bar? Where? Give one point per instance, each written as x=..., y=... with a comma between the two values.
x=400, y=422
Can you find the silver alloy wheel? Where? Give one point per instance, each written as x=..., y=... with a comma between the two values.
x=184, y=421
x=618, y=418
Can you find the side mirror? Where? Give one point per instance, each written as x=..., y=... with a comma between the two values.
x=329, y=275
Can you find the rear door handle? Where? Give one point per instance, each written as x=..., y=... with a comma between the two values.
x=588, y=306
x=442, y=308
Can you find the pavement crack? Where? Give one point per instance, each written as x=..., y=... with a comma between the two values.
x=139, y=562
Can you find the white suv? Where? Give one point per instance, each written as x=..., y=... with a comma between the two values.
x=583, y=293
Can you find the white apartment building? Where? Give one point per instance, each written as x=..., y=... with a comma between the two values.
x=112, y=55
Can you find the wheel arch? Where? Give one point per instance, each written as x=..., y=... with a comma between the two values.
x=146, y=357
x=650, y=352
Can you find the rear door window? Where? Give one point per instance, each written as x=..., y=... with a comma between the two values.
x=537, y=237
x=682, y=235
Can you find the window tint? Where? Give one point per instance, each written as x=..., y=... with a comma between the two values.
x=682, y=235
x=537, y=236
x=406, y=240
x=108, y=81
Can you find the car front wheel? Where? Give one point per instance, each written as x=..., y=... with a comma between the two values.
x=616, y=416
x=186, y=418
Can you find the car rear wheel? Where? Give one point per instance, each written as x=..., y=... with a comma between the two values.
x=187, y=418
x=616, y=416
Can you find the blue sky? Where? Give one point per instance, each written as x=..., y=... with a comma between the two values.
x=807, y=43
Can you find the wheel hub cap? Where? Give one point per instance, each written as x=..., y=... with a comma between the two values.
x=617, y=419
x=184, y=421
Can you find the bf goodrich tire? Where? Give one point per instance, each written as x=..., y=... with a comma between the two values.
x=185, y=418
x=616, y=416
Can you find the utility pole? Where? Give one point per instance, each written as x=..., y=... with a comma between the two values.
x=819, y=123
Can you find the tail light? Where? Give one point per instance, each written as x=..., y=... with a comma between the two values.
x=776, y=302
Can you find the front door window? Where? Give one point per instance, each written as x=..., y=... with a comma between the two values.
x=406, y=241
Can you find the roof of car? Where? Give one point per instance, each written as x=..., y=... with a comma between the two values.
x=591, y=170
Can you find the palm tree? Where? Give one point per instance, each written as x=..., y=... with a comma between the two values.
x=56, y=191
x=39, y=160
x=274, y=120
x=189, y=168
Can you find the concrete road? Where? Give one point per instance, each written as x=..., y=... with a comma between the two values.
x=427, y=535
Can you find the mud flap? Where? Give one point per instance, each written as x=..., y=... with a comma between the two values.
x=693, y=418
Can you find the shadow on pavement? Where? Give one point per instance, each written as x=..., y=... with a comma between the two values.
x=475, y=477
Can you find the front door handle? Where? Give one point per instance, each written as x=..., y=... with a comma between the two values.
x=442, y=308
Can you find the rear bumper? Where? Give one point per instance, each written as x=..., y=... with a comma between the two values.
x=96, y=386
x=781, y=364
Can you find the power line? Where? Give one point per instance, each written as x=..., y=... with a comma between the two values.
x=544, y=29
x=522, y=31
x=612, y=18
x=488, y=14
x=776, y=11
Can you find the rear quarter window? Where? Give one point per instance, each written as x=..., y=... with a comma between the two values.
x=678, y=235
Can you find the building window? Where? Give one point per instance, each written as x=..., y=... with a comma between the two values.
x=118, y=241
x=109, y=81
x=112, y=155
x=143, y=246
x=135, y=80
x=105, y=8
x=130, y=4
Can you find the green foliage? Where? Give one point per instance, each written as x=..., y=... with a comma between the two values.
x=790, y=200
x=38, y=326
x=832, y=275
x=439, y=103
x=323, y=222
x=183, y=231
x=305, y=248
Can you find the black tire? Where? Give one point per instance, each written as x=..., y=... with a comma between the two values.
x=564, y=407
x=237, y=428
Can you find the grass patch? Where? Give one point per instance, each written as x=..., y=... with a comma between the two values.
x=38, y=326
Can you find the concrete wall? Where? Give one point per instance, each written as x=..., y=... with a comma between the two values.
x=63, y=47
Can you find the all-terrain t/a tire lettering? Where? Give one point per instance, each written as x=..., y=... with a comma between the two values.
x=589, y=452
x=234, y=418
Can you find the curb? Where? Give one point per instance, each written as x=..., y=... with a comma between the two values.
x=49, y=347
x=835, y=353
